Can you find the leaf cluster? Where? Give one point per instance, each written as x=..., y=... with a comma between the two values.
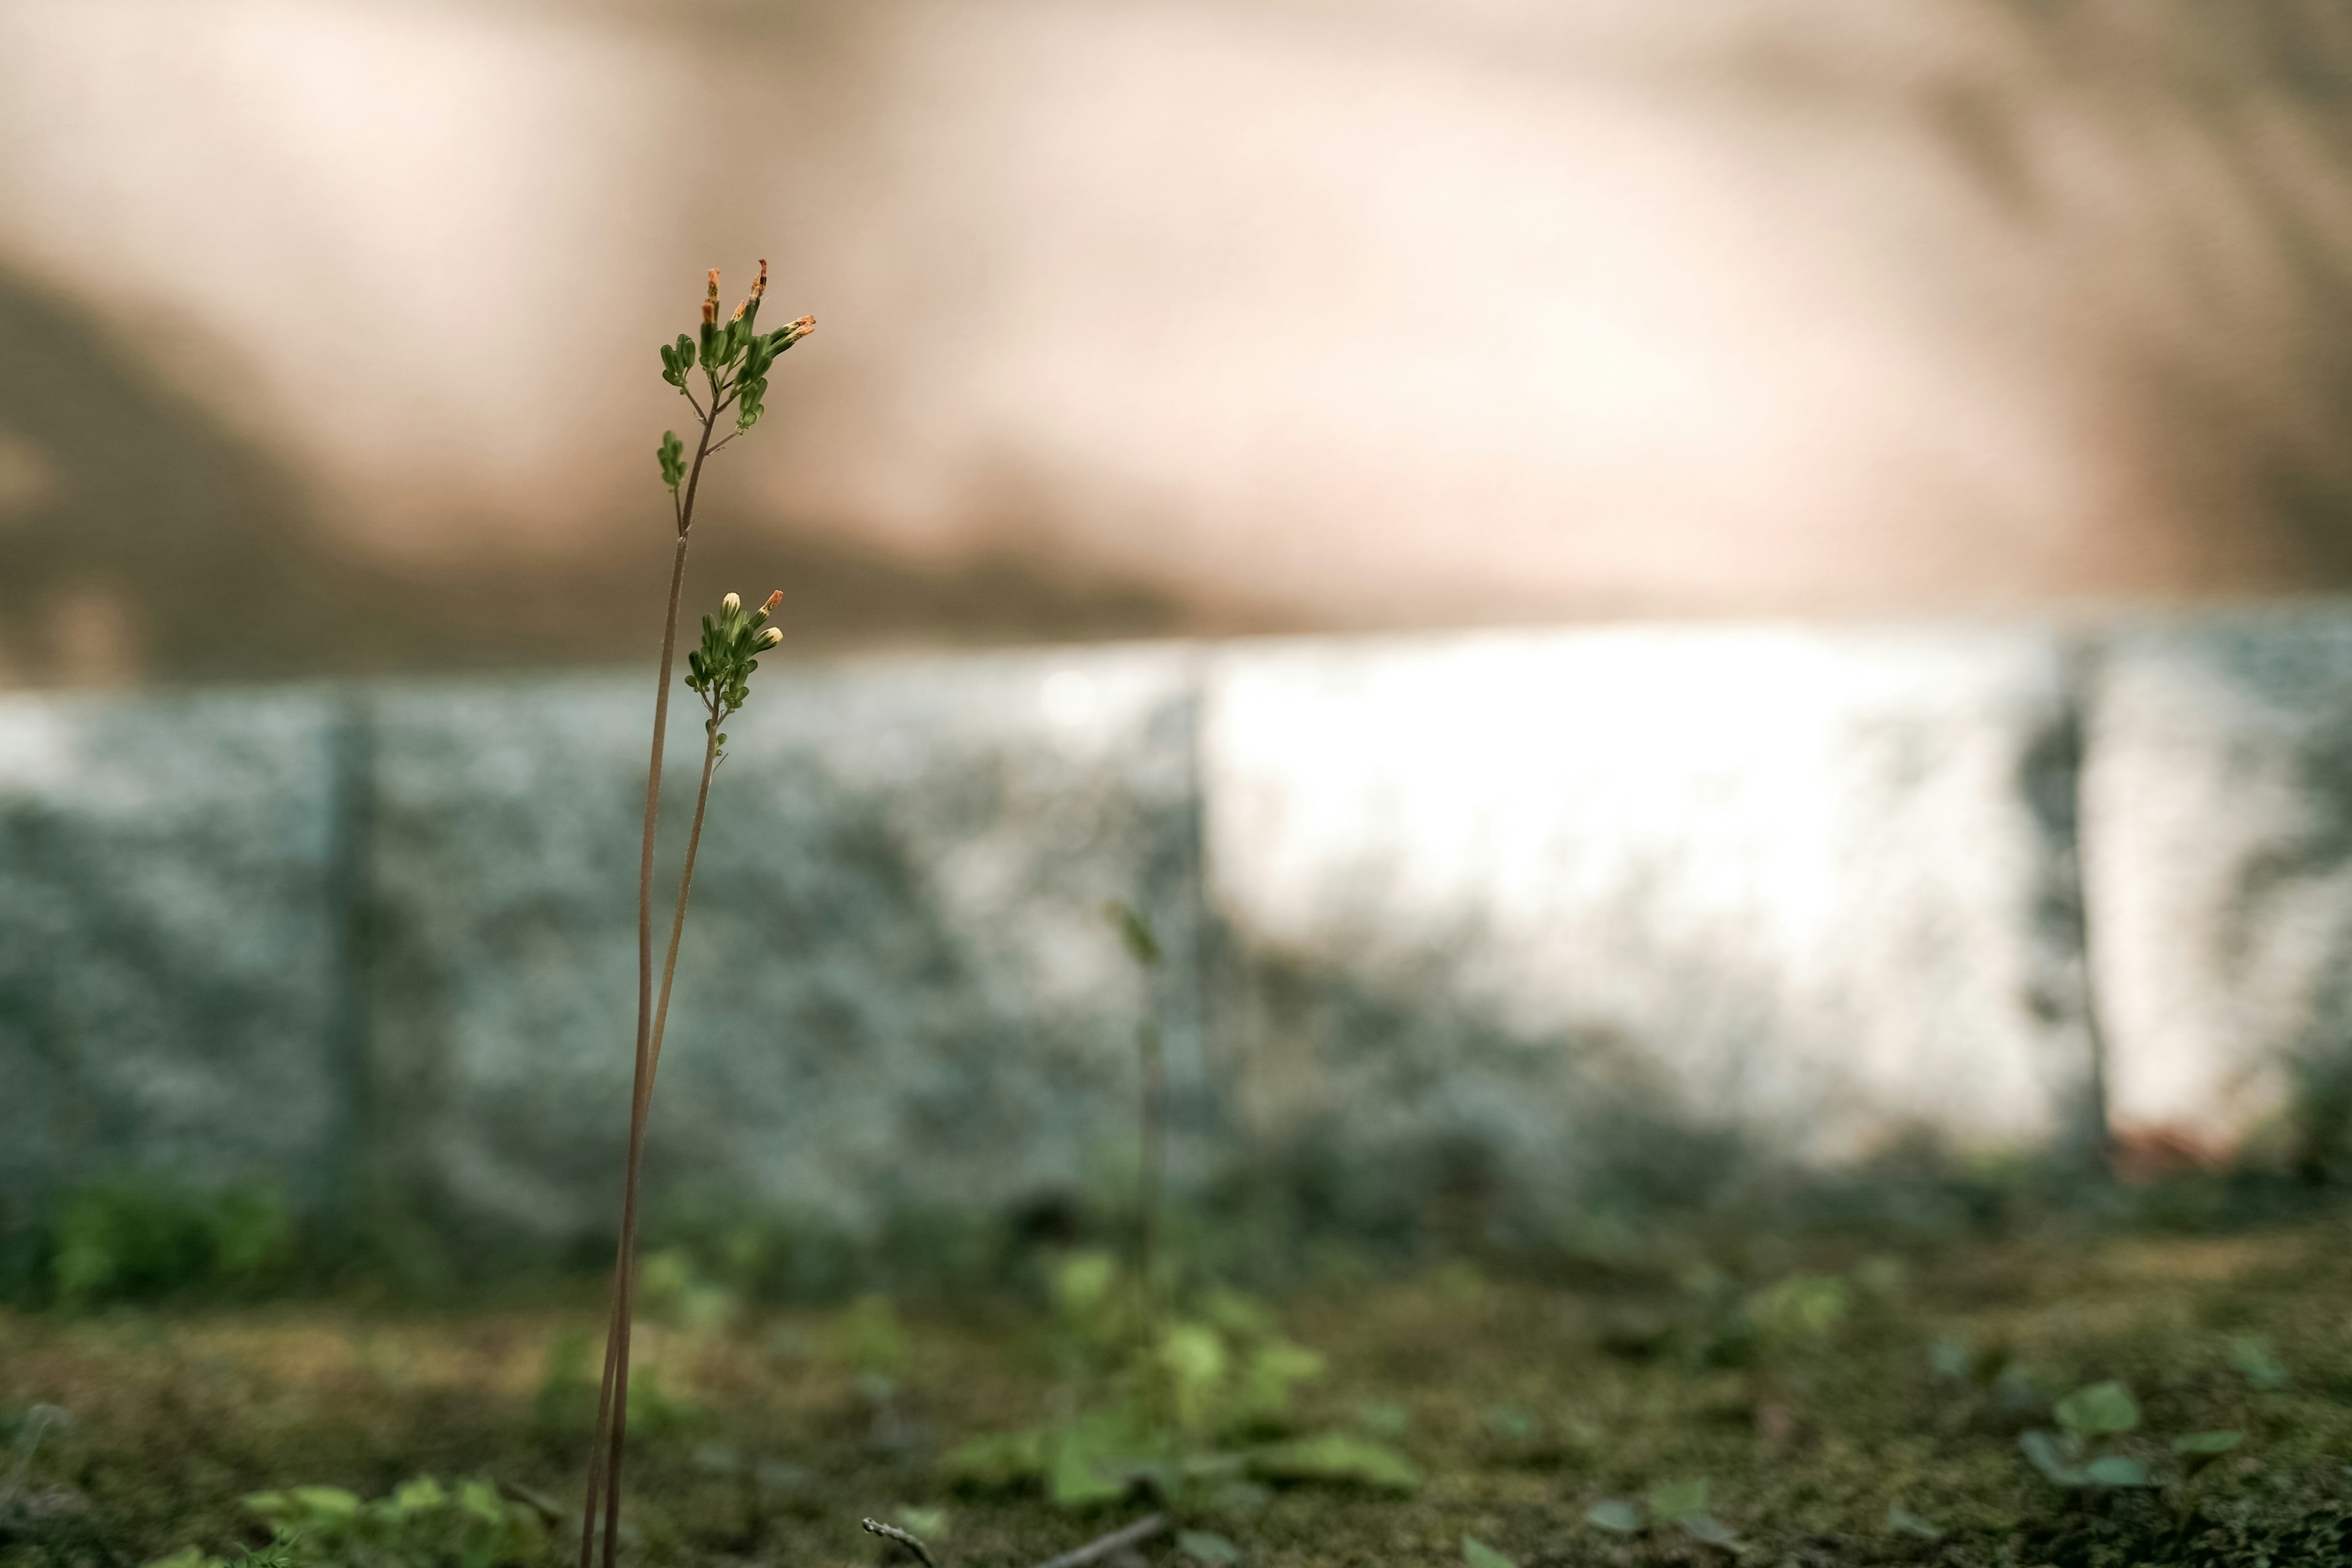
x=1202, y=1400
x=1671, y=1507
x=2080, y=1455
x=719, y=671
x=423, y=1524
x=732, y=358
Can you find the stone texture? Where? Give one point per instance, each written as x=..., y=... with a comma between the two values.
x=897, y=988
x=2220, y=853
x=1616, y=911
x=172, y=994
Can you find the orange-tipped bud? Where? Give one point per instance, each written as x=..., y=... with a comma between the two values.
x=711, y=299
x=760, y=284
x=773, y=600
x=798, y=330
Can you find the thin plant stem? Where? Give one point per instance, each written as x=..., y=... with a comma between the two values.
x=685, y=885
x=613, y=1401
x=1154, y=1157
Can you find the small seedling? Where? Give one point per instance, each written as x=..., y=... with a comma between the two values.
x=2076, y=1456
x=2250, y=1358
x=1672, y=1505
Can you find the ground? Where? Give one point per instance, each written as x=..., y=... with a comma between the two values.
x=1814, y=1395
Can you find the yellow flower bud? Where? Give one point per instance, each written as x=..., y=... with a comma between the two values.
x=771, y=636
x=731, y=604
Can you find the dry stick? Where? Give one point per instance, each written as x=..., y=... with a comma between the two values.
x=612, y=1410
x=1135, y=1534
x=1142, y=1530
x=892, y=1532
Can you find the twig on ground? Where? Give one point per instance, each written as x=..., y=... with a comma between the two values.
x=892, y=1532
x=1135, y=1534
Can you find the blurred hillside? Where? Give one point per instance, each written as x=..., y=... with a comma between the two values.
x=326, y=330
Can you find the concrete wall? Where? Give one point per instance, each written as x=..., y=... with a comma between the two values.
x=1586, y=914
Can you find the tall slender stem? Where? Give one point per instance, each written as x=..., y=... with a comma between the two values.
x=1154, y=1155
x=613, y=1399
x=685, y=886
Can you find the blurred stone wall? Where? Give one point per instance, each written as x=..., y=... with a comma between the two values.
x=1581, y=919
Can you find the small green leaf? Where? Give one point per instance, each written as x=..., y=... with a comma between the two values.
x=1513, y=1425
x=1203, y=1546
x=1621, y=1516
x=2250, y=1358
x=1903, y=1521
x=2208, y=1442
x=1476, y=1554
x=329, y=1502
x=1950, y=1358
x=2098, y=1411
x=1135, y=931
x=1709, y=1530
x=1336, y=1456
x=2116, y=1470
x=1677, y=1501
x=2051, y=1460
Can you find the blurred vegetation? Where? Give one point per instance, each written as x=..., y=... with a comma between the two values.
x=2068, y=1390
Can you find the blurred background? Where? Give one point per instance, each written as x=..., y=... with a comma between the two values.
x=1640, y=593
x=329, y=328
x=1709, y=634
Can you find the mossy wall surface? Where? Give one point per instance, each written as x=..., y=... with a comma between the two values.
x=1559, y=924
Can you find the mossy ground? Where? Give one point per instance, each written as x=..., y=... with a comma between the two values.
x=1525, y=1401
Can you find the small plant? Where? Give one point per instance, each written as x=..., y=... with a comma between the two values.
x=423, y=1524
x=2080, y=1455
x=137, y=1238
x=2077, y=1455
x=1143, y=946
x=2250, y=1358
x=730, y=361
x=1166, y=1398
x=1676, y=1506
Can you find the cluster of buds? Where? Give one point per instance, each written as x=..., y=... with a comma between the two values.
x=733, y=357
x=719, y=671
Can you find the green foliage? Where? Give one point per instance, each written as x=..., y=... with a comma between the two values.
x=142, y=1240
x=2080, y=1455
x=1807, y=1307
x=1677, y=1506
x=423, y=1524
x=1476, y=1554
x=1619, y=1516
x=1209, y=1550
x=1134, y=932
x=565, y=1403
x=2250, y=1358
x=1205, y=1397
x=733, y=356
x=2099, y=1411
x=719, y=671
x=1903, y=1521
